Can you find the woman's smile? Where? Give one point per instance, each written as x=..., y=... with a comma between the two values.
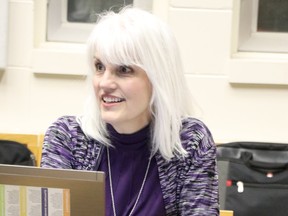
x=112, y=99
x=109, y=102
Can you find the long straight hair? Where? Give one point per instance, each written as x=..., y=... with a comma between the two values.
x=136, y=37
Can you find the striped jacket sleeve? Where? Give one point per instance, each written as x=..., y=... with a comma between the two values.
x=199, y=189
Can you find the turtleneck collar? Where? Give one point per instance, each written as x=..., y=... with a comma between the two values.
x=134, y=140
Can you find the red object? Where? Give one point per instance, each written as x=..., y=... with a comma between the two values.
x=229, y=183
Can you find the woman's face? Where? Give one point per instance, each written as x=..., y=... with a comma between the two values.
x=124, y=94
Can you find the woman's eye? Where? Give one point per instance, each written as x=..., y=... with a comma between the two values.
x=125, y=70
x=99, y=67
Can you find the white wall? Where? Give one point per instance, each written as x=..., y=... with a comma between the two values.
x=31, y=101
x=3, y=32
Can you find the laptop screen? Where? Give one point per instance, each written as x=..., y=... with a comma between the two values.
x=38, y=191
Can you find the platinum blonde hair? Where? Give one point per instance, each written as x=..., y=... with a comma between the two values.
x=136, y=37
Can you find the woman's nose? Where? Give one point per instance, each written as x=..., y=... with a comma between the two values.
x=107, y=80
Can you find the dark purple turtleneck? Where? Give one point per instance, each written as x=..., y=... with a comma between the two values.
x=129, y=160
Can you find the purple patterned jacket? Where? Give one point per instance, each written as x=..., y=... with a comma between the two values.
x=189, y=185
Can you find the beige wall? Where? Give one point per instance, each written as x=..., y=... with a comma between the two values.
x=31, y=98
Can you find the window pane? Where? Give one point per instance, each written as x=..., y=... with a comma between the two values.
x=86, y=10
x=273, y=16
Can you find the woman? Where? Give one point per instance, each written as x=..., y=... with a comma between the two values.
x=136, y=127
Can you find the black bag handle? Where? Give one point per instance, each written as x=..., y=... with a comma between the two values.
x=265, y=167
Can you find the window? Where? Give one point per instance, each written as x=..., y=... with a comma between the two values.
x=259, y=42
x=263, y=26
x=60, y=29
x=72, y=20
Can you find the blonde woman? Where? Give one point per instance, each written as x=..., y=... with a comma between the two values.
x=137, y=126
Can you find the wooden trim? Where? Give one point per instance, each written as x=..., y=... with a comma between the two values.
x=226, y=213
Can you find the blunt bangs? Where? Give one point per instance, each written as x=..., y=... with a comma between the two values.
x=113, y=43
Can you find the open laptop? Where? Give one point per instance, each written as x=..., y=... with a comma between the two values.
x=45, y=192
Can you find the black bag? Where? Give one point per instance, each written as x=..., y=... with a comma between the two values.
x=15, y=153
x=253, y=178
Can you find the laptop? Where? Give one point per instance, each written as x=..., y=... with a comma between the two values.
x=39, y=191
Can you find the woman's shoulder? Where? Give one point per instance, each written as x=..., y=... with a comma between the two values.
x=66, y=126
x=194, y=128
x=67, y=120
x=196, y=137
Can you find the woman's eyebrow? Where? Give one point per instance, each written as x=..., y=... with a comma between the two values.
x=97, y=60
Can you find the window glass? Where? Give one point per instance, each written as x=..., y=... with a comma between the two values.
x=85, y=11
x=273, y=16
